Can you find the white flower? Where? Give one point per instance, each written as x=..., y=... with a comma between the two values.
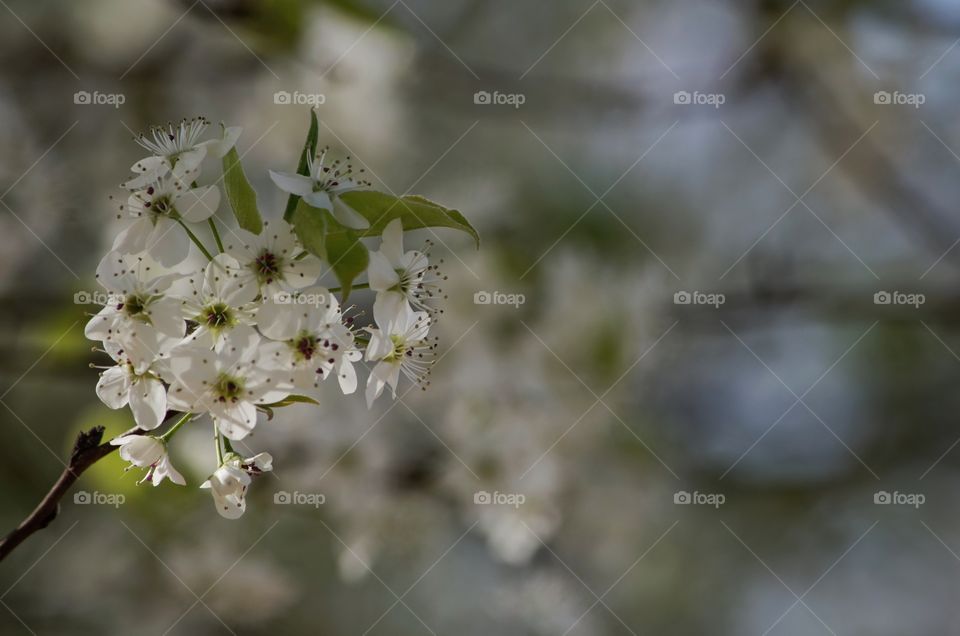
x=322, y=187
x=273, y=261
x=227, y=383
x=401, y=346
x=139, y=318
x=121, y=385
x=156, y=212
x=399, y=277
x=317, y=341
x=144, y=451
x=229, y=482
x=177, y=149
x=222, y=299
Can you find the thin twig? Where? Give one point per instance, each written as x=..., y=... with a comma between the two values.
x=87, y=451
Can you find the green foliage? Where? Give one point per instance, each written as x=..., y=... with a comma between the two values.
x=309, y=149
x=414, y=212
x=242, y=197
x=341, y=247
x=292, y=399
x=331, y=241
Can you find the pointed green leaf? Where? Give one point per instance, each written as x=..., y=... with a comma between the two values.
x=309, y=149
x=414, y=212
x=346, y=253
x=334, y=243
x=291, y=399
x=242, y=197
x=310, y=225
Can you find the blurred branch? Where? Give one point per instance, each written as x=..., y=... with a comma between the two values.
x=87, y=451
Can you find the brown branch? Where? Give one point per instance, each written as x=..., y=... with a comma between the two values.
x=87, y=451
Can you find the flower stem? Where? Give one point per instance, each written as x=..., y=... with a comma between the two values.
x=357, y=286
x=173, y=429
x=216, y=441
x=216, y=234
x=196, y=241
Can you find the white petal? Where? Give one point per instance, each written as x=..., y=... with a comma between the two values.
x=348, y=216
x=379, y=377
x=198, y=204
x=303, y=272
x=381, y=272
x=392, y=243
x=282, y=321
x=133, y=238
x=148, y=170
x=388, y=306
x=235, y=420
x=113, y=387
x=379, y=346
x=117, y=273
x=166, y=316
x=188, y=161
x=347, y=376
x=167, y=242
x=223, y=281
x=141, y=450
x=220, y=147
x=262, y=461
x=148, y=401
x=319, y=200
x=292, y=183
x=102, y=326
x=165, y=469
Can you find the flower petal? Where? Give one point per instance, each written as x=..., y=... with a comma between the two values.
x=113, y=387
x=292, y=183
x=148, y=401
x=198, y=204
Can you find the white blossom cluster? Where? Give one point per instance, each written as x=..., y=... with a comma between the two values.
x=250, y=331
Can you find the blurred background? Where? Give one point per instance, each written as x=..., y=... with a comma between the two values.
x=707, y=341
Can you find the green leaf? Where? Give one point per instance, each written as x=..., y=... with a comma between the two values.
x=242, y=197
x=291, y=399
x=338, y=245
x=309, y=150
x=346, y=253
x=414, y=212
x=310, y=225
